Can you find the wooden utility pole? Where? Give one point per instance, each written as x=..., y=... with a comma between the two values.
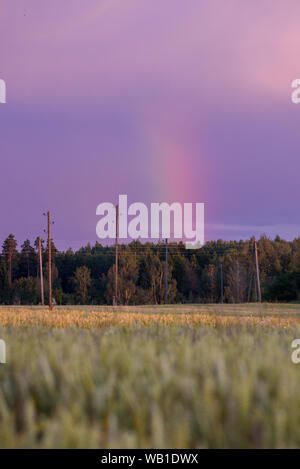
x=238, y=281
x=251, y=273
x=9, y=268
x=116, y=266
x=254, y=261
x=41, y=272
x=27, y=258
x=222, y=287
x=49, y=261
x=257, y=272
x=166, y=275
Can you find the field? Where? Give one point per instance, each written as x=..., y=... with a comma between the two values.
x=193, y=376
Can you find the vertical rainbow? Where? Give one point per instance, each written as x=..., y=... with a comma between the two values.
x=178, y=172
x=178, y=166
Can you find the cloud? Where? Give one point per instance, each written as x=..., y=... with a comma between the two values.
x=80, y=52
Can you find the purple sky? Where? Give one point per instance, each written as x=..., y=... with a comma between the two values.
x=163, y=101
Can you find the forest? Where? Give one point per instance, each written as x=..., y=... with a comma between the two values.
x=87, y=276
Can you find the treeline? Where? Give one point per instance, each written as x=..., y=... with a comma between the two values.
x=87, y=276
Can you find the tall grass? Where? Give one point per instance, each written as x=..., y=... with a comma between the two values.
x=151, y=385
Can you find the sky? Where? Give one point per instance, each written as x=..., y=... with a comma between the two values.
x=169, y=101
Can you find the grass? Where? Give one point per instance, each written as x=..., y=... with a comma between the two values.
x=191, y=376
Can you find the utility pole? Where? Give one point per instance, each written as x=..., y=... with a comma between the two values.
x=49, y=261
x=27, y=259
x=9, y=268
x=116, y=266
x=251, y=273
x=41, y=272
x=166, y=274
x=238, y=280
x=222, y=287
x=257, y=272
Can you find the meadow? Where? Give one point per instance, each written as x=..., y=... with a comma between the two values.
x=190, y=376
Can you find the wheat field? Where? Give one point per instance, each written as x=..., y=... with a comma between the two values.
x=190, y=376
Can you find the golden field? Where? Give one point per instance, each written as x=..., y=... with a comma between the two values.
x=88, y=317
x=190, y=376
